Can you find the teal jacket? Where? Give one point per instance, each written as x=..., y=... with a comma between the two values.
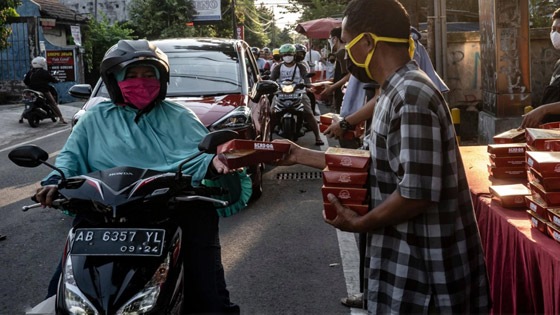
x=106, y=136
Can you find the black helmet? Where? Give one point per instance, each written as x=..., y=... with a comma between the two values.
x=300, y=48
x=126, y=52
x=255, y=50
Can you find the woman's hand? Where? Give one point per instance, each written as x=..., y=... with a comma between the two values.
x=222, y=168
x=45, y=195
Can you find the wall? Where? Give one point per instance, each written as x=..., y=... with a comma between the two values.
x=463, y=69
x=543, y=58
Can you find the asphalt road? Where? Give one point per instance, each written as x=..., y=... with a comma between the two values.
x=279, y=255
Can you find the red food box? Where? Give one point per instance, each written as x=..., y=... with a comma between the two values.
x=536, y=204
x=536, y=137
x=238, y=153
x=330, y=211
x=341, y=159
x=552, y=145
x=545, y=163
x=510, y=196
x=507, y=149
x=346, y=195
x=551, y=125
x=553, y=215
x=552, y=198
x=538, y=222
x=553, y=231
x=327, y=118
x=510, y=136
x=549, y=183
x=507, y=172
x=344, y=178
x=507, y=161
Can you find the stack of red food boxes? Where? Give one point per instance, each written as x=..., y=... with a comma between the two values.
x=327, y=119
x=510, y=196
x=544, y=181
x=507, y=160
x=345, y=177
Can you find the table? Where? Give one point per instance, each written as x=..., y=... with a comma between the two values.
x=523, y=264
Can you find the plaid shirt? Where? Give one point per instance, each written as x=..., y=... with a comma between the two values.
x=437, y=254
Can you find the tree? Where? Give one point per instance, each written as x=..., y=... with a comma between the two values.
x=99, y=37
x=156, y=19
x=316, y=9
x=7, y=10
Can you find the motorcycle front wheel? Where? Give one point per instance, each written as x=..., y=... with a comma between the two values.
x=33, y=120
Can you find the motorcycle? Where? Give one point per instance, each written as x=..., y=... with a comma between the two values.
x=37, y=106
x=288, y=108
x=125, y=255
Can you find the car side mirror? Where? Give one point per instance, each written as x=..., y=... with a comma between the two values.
x=28, y=156
x=80, y=91
x=265, y=87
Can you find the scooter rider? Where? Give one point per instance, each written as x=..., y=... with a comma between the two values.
x=138, y=128
x=301, y=52
x=38, y=79
x=285, y=71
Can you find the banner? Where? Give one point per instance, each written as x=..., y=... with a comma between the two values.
x=207, y=10
x=240, y=32
x=61, y=62
x=76, y=34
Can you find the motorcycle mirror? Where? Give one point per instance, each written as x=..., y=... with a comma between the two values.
x=212, y=140
x=310, y=75
x=32, y=156
x=28, y=156
x=209, y=144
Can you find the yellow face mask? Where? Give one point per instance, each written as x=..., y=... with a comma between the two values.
x=376, y=39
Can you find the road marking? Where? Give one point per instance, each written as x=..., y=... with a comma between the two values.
x=350, y=264
x=36, y=139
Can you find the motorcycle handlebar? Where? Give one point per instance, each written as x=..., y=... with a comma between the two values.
x=202, y=198
x=56, y=204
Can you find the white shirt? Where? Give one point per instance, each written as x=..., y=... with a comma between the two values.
x=312, y=57
x=286, y=73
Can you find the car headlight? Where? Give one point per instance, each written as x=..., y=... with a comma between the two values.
x=288, y=88
x=146, y=299
x=237, y=118
x=76, y=302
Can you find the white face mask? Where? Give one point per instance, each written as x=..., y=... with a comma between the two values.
x=555, y=39
x=288, y=59
x=331, y=44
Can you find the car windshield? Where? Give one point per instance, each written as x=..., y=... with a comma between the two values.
x=200, y=73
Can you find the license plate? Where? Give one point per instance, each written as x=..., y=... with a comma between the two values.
x=118, y=242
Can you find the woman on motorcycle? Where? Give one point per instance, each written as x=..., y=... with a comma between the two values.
x=139, y=128
x=38, y=79
x=294, y=71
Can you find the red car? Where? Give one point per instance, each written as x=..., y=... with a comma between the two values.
x=218, y=79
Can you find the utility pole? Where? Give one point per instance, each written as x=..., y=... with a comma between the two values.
x=95, y=10
x=233, y=19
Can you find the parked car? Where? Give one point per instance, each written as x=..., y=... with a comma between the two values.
x=218, y=79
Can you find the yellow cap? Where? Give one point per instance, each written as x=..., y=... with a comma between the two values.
x=276, y=51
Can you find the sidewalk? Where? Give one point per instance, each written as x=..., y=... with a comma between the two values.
x=11, y=131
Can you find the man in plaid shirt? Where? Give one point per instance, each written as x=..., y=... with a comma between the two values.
x=424, y=248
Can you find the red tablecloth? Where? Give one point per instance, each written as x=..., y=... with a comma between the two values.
x=523, y=264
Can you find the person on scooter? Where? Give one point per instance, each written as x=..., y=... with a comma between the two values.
x=38, y=79
x=294, y=71
x=260, y=61
x=301, y=52
x=139, y=128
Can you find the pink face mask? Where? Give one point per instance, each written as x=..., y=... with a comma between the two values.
x=140, y=92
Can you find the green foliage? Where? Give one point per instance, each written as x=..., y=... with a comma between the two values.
x=7, y=9
x=540, y=13
x=316, y=9
x=99, y=37
x=157, y=19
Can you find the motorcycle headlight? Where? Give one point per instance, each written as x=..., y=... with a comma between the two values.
x=237, y=118
x=288, y=88
x=76, y=302
x=146, y=299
